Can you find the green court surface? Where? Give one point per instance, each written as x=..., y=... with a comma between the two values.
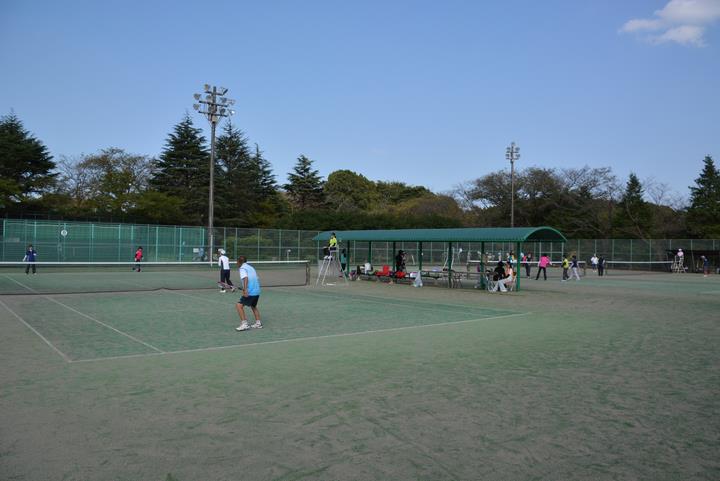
x=606, y=378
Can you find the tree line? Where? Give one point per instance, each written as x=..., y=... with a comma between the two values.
x=173, y=188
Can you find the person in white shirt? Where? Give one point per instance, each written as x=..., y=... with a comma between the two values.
x=594, y=262
x=224, y=264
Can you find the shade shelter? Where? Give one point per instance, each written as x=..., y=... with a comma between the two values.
x=516, y=235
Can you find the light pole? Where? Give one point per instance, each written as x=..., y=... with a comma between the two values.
x=214, y=105
x=512, y=154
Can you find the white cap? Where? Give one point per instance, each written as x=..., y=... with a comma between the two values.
x=221, y=251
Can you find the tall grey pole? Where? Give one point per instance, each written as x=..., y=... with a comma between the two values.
x=211, y=200
x=214, y=106
x=512, y=154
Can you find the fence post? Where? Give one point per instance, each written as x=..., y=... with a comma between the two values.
x=258, y=244
x=279, y=244
x=157, y=241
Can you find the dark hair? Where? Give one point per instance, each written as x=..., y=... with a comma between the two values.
x=241, y=260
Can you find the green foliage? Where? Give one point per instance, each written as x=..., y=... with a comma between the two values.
x=633, y=218
x=108, y=182
x=703, y=216
x=248, y=194
x=158, y=208
x=305, y=186
x=183, y=170
x=347, y=191
x=25, y=164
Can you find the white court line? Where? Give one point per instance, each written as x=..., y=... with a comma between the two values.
x=107, y=325
x=67, y=359
x=710, y=292
x=20, y=284
x=310, y=338
x=91, y=318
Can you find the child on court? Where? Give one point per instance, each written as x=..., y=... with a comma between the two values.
x=565, y=267
x=224, y=264
x=250, y=295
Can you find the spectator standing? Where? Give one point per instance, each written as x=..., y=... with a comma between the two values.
x=565, y=267
x=601, y=266
x=575, y=265
x=400, y=261
x=528, y=262
x=343, y=260
x=706, y=265
x=542, y=266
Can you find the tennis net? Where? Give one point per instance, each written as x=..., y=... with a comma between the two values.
x=638, y=267
x=92, y=277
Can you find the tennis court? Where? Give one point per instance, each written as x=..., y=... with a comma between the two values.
x=606, y=378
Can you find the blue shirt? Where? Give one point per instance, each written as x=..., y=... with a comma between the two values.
x=246, y=270
x=30, y=255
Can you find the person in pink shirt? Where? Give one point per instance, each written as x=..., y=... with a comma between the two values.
x=542, y=266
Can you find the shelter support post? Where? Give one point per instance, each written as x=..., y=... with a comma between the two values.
x=391, y=261
x=517, y=267
x=420, y=256
x=450, y=266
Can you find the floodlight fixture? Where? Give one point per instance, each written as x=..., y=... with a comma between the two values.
x=214, y=110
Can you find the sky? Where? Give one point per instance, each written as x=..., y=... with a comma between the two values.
x=424, y=92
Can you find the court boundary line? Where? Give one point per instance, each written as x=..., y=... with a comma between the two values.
x=299, y=339
x=108, y=326
x=52, y=346
x=374, y=299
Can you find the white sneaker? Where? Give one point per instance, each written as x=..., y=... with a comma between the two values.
x=257, y=325
x=243, y=327
x=222, y=291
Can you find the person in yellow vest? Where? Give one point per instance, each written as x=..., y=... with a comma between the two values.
x=333, y=244
x=565, y=267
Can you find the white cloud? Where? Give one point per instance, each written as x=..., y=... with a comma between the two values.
x=680, y=21
x=684, y=35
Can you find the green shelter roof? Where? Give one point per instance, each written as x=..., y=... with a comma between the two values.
x=471, y=234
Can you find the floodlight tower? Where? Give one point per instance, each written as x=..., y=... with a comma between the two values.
x=214, y=105
x=512, y=154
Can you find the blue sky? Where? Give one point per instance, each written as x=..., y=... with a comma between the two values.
x=425, y=92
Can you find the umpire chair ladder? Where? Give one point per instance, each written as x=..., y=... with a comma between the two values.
x=330, y=266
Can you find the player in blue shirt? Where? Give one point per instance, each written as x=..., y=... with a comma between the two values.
x=30, y=255
x=250, y=295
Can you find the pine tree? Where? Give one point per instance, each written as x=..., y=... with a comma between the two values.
x=25, y=164
x=703, y=217
x=266, y=185
x=183, y=170
x=234, y=199
x=634, y=216
x=305, y=186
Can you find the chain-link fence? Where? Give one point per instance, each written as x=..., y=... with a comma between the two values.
x=62, y=241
